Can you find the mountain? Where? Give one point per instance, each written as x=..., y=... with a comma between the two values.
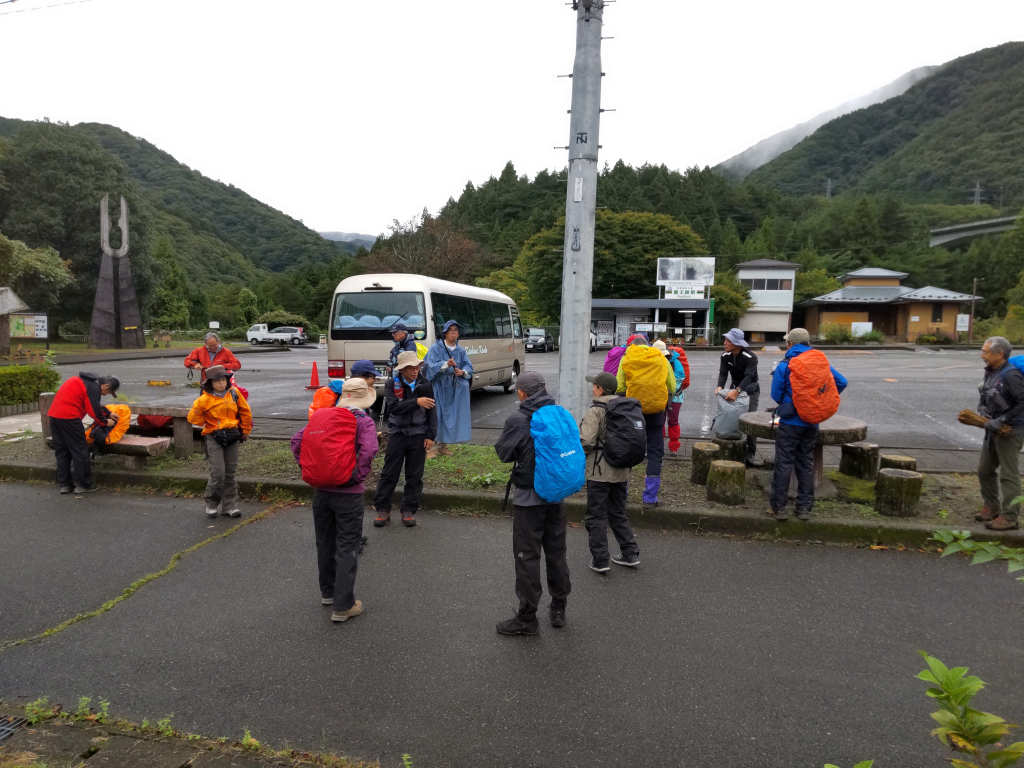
x=215, y=218
x=960, y=126
x=738, y=166
x=355, y=238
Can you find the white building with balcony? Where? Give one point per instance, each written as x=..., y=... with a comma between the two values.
x=771, y=284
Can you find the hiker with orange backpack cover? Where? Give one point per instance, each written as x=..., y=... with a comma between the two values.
x=807, y=390
x=335, y=451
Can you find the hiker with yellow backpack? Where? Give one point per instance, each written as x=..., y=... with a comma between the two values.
x=807, y=390
x=644, y=374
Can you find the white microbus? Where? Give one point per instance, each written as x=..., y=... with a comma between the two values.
x=366, y=306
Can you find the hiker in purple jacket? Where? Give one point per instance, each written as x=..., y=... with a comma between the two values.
x=338, y=511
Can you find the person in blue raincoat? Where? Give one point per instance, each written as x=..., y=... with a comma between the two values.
x=450, y=372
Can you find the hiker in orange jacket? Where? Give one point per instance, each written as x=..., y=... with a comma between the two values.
x=210, y=354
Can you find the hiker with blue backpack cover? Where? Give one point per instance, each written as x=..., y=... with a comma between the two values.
x=1002, y=403
x=614, y=437
x=542, y=440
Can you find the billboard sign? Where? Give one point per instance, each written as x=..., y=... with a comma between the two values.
x=686, y=269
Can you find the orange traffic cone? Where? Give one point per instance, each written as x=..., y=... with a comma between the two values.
x=314, y=379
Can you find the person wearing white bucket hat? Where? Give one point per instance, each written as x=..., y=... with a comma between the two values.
x=739, y=362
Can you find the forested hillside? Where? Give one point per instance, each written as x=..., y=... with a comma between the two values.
x=962, y=125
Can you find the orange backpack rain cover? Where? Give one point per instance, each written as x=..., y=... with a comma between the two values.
x=815, y=396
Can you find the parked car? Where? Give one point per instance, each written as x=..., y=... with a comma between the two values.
x=285, y=334
x=539, y=340
x=593, y=341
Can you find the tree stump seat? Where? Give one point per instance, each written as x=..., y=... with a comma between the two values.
x=731, y=449
x=898, y=492
x=895, y=461
x=859, y=460
x=727, y=482
x=701, y=457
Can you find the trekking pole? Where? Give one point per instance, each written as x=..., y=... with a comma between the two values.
x=508, y=489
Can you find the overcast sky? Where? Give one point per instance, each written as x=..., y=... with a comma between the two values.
x=350, y=114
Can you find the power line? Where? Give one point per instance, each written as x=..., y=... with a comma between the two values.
x=38, y=7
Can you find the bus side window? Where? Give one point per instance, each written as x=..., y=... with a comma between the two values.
x=517, y=326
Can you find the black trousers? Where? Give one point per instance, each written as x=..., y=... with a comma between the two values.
x=402, y=450
x=606, y=506
x=338, y=523
x=72, y=452
x=755, y=399
x=794, y=452
x=655, y=424
x=537, y=528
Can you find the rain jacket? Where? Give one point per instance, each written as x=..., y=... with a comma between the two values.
x=213, y=411
x=620, y=377
x=366, y=449
x=592, y=432
x=77, y=398
x=612, y=360
x=222, y=356
x=1002, y=398
x=782, y=393
x=451, y=392
x=405, y=415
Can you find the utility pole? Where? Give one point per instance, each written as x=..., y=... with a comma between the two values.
x=580, y=206
x=970, y=328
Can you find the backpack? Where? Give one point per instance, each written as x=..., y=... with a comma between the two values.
x=1017, y=361
x=678, y=371
x=815, y=396
x=686, y=365
x=328, y=456
x=421, y=351
x=646, y=371
x=110, y=435
x=625, y=433
x=560, y=465
x=727, y=423
x=612, y=360
x=325, y=397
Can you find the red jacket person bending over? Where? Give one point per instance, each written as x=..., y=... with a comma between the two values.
x=210, y=354
x=77, y=398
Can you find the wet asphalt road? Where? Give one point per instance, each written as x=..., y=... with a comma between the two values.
x=713, y=652
x=908, y=399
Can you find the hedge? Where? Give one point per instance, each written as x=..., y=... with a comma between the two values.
x=24, y=383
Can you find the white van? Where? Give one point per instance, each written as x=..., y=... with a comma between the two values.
x=365, y=307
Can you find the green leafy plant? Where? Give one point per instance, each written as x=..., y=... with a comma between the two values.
x=943, y=513
x=484, y=480
x=837, y=333
x=249, y=743
x=163, y=727
x=982, y=552
x=83, y=709
x=863, y=764
x=40, y=710
x=961, y=728
x=406, y=761
x=103, y=715
x=24, y=383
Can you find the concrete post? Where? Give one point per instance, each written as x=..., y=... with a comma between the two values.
x=580, y=205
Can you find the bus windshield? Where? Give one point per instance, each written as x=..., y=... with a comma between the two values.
x=368, y=315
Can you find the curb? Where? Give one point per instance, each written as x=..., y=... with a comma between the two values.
x=735, y=523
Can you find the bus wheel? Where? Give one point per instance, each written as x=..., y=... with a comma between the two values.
x=510, y=385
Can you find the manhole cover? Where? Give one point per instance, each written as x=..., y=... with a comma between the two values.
x=8, y=725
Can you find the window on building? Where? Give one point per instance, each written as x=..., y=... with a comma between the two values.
x=936, y=313
x=758, y=284
x=747, y=282
x=785, y=285
x=771, y=285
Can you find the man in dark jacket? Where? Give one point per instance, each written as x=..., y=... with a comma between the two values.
x=1002, y=402
x=412, y=427
x=537, y=525
x=741, y=364
x=77, y=398
x=403, y=343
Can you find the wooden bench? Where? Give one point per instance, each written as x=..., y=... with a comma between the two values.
x=136, y=448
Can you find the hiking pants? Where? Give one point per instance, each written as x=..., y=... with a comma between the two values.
x=402, y=450
x=338, y=524
x=606, y=506
x=998, y=470
x=794, y=452
x=537, y=528
x=672, y=428
x=655, y=442
x=221, y=488
x=72, y=452
x=755, y=397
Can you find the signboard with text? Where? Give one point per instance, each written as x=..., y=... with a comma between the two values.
x=28, y=326
x=685, y=290
x=676, y=270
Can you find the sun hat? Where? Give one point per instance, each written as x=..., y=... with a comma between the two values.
x=449, y=324
x=798, y=336
x=215, y=372
x=660, y=346
x=736, y=337
x=356, y=394
x=363, y=368
x=605, y=381
x=530, y=382
x=407, y=360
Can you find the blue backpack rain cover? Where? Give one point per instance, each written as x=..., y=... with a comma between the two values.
x=1017, y=361
x=561, y=465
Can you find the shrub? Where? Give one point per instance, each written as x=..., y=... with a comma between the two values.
x=24, y=383
x=279, y=317
x=837, y=334
x=73, y=328
x=927, y=339
x=870, y=336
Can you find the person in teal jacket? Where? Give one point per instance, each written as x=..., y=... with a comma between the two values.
x=675, y=400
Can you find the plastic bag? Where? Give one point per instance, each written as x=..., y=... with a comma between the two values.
x=727, y=423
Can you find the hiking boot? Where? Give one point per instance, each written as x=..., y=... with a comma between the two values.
x=91, y=489
x=326, y=601
x=754, y=462
x=211, y=511
x=986, y=514
x=557, y=616
x=514, y=626
x=803, y=514
x=1002, y=524
x=66, y=489
x=382, y=518
x=339, y=616
x=599, y=567
x=777, y=515
x=408, y=519
x=236, y=512
x=630, y=561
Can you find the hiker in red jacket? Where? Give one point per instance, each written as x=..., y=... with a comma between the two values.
x=77, y=398
x=210, y=354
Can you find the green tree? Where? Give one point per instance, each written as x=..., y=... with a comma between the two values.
x=814, y=283
x=171, y=300
x=36, y=275
x=626, y=251
x=732, y=299
x=248, y=305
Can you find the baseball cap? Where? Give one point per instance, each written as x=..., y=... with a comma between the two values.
x=798, y=336
x=398, y=327
x=113, y=382
x=363, y=368
x=530, y=382
x=605, y=381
